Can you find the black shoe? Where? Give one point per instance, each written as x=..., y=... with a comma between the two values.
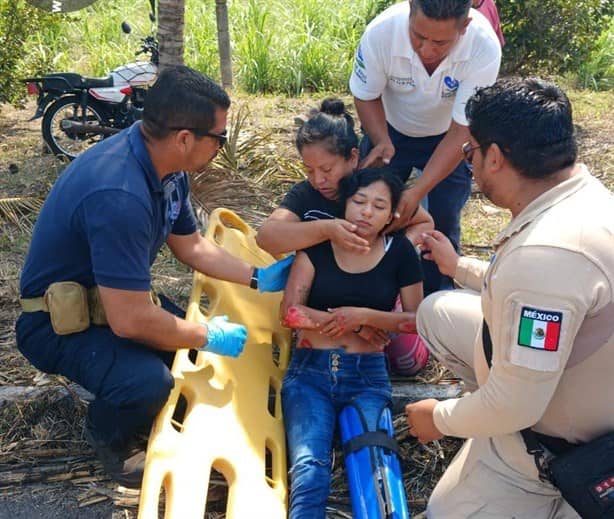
x=119, y=464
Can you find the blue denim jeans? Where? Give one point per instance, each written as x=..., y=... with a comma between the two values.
x=445, y=201
x=131, y=382
x=317, y=386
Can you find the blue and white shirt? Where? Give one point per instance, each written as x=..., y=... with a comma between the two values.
x=418, y=104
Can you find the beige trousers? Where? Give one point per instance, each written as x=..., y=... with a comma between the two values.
x=489, y=478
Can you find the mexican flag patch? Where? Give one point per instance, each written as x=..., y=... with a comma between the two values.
x=539, y=329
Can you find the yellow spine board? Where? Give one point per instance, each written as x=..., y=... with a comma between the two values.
x=233, y=419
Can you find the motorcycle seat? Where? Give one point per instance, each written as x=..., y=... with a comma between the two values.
x=61, y=80
x=97, y=82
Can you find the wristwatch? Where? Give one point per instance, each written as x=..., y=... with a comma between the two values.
x=253, y=282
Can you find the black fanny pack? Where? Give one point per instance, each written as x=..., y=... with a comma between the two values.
x=583, y=473
x=585, y=477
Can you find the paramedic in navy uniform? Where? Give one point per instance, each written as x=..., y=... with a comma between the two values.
x=102, y=226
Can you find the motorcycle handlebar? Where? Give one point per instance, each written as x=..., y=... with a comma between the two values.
x=149, y=45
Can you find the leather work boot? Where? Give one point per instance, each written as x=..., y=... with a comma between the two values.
x=122, y=467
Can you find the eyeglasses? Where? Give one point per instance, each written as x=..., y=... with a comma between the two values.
x=221, y=137
x=468, y=150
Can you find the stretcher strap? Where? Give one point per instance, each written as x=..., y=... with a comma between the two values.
x=371, y=439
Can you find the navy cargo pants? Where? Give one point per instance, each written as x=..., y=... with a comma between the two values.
x=131, y=382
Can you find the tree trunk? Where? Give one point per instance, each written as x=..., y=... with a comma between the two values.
x=170, y=31
x=408, y=393
x=20, y=394
x=223, y=42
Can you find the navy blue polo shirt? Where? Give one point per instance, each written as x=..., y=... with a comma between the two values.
x=106, y=219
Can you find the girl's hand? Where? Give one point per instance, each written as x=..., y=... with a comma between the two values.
x=377, y=338
x=344, y=320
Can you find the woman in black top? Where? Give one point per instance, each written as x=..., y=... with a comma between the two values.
x=332, y=293
x=311, y=211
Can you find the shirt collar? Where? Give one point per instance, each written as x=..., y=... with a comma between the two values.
x=137, y=144
x=542, y=203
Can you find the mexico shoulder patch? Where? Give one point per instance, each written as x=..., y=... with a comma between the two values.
x=539, y=329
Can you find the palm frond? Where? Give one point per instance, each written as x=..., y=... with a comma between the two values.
x=246, y=174
x=214, y=188
x=17, y=210
x=230, y=155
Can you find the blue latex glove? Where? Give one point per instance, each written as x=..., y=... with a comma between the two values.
x=224, y=338
x=273, y=278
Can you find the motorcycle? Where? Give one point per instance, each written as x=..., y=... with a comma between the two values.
x=79, y=111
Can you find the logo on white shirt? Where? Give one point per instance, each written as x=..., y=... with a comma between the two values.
x=450, y=86
x=359, y=66
x=360, y=61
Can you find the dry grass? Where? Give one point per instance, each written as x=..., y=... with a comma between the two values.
x=42, y=440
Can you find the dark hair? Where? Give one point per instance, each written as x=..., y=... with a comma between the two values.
x=531, y=121
x=182, y=97
x=332, y=127
x=349, y=185
x=442, y=9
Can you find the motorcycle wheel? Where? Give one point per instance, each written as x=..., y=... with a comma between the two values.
x=64, y=142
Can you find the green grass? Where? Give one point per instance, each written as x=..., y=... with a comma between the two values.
x=595, y=131
x=90, y=41
x=588, y=106
x=597, y=72
x=278, y=46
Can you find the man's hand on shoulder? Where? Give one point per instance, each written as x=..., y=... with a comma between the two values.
x=407, y=208
x=380, y=155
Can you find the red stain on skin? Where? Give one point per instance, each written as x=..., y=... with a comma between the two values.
x=305, y=343
x=295, y=318
x=408, y=327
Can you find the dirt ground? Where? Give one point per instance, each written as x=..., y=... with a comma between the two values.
x=46, y=468
x=38, y=501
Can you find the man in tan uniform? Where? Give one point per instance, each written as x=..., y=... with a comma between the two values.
x=548, y=298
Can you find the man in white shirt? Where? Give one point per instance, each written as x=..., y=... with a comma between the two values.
x=417, y=64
